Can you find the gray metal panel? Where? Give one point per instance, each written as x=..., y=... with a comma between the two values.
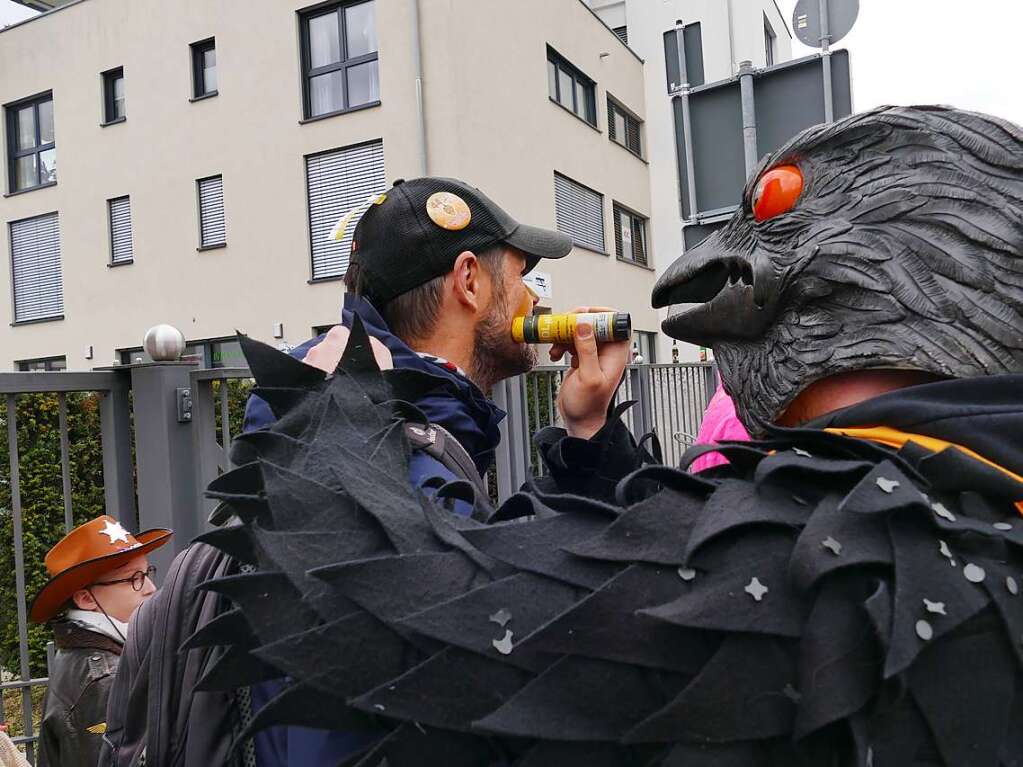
x=692, y=39
x=118, y=466
x=790, y=99
x=717, y=141
x=696, y=233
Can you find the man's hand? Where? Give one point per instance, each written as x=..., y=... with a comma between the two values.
x=591, y=383
x=327, y=353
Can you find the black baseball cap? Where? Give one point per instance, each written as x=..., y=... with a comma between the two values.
x=417, y=231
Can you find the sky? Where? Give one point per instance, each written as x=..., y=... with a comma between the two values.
x=933, y=52
x=12, y=12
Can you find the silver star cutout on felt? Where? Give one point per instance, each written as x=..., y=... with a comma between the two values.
x=686, y=573
x=924, y=630
x=115, y=532
x=504, y=644
x=501, y=617
x=942, y=512
x=887, y=484
x=974, y=573
x=938, y=608
x=756, y=589
x=800, y=452
x=832, y=545
x=1005, y=526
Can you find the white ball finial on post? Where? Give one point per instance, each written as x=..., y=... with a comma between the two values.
x=164, y=343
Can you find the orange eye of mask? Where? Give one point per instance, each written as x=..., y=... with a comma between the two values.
x=777, y=192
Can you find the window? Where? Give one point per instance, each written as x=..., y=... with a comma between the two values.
x=630, y=236
x=47, y=364
x=769, y=38
x=212, y=228
x=339, y=58
x=336, y=182
x=32, y=155
x=579, y=213
x=211, y=353
x=622, y=127
x=113, y=96
x=36, y=269
x=571, y=88
x=204, y=68
x=119, y=211
x=623, y=34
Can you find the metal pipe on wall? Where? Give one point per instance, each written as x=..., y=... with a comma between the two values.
x=417, y=59
x=687, y=132
x=829, y=104
x=749, y=116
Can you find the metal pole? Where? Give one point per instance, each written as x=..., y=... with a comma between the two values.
x=749, y=116
x=687, y=125
x=829, y=105
x=417, y=59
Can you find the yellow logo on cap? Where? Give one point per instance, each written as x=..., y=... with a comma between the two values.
x=448, y=211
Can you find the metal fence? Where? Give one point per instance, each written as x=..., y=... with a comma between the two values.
x=166, y=431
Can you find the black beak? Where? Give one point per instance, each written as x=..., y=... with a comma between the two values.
x=735, y=296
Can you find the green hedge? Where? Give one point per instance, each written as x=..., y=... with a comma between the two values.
x=42, y=504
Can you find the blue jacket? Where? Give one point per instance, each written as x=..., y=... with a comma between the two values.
x=463, y=410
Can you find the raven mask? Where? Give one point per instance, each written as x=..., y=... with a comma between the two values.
x=892, y=239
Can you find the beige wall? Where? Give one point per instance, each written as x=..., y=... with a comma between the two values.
x=489, y=120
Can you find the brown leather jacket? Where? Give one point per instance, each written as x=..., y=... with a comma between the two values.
x=75, y=708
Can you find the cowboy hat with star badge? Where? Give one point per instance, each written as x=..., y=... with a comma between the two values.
x=84, y=555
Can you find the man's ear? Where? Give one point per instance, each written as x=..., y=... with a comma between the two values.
x=83, y=600
x=467, y=281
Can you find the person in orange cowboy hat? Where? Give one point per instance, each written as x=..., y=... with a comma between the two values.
x=99, y=575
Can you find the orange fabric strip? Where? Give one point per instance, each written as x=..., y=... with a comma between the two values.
x=885, y=435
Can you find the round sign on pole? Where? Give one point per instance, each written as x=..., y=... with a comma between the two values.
x=806, y=20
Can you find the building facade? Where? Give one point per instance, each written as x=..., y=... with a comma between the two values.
x=719, y=34
x=184, y=162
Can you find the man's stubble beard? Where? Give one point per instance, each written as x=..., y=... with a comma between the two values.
x=496, y=355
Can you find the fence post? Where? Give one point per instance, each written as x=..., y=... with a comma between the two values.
x=639, y=383
x=513, y=451
x=115, y=429
x=163, y=451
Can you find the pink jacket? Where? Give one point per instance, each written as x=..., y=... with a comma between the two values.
x=720, y=423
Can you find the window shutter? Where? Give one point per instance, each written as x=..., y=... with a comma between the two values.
x=212, y=228
x=618, y=233
x=120, y=230
x=611, y=133
x=579, y=212
x=623, y=34
x=36, y=267
x=337, y=182
x=632, y=134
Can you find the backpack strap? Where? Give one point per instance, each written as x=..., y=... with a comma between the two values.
x=439, y=443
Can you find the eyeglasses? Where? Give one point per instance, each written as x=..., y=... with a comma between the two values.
x=137, y=579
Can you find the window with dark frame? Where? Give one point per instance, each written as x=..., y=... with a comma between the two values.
x=630, y=236
x=204, y=68
x=339, y=58
x=644, y=343
x=36, y=270
x=212, y=224
x=623, y=128
x=119, y=212
x=113, y=96
x=569, y=87
x=42, y=364
x=31, y=149
x=769, y=38
x=579, y=213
